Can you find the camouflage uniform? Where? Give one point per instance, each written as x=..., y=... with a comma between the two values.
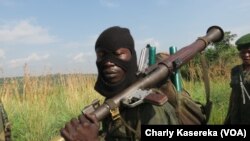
x=239, y=104
x=117, y=68
x=239, y=112
x=171, y=113
x=187, y=112
x=127, y=128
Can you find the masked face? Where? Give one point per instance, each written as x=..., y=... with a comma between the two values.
x=116, y=61
x=111, y=72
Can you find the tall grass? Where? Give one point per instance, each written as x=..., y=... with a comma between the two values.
x=219, y=76
x=38, y=107
x=219, y=95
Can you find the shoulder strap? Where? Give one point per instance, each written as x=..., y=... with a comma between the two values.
x=204, y=66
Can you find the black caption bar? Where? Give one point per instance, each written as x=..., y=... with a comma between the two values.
x=176, y=132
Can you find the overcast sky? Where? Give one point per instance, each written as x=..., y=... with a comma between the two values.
x=58, y=36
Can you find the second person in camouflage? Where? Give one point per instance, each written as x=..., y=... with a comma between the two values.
x=239, y=105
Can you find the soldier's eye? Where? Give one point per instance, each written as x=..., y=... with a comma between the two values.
x=118, y=53
x=123, y=54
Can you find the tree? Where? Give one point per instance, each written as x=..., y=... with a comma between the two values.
x=224, y=48
x=220, y=57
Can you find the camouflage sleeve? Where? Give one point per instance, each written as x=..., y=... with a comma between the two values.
x=165, y=114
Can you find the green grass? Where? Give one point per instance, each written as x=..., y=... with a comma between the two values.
x=40, y=119
x=39, y=108
x=219, y=95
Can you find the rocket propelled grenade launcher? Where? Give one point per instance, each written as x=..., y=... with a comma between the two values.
x=161, y=71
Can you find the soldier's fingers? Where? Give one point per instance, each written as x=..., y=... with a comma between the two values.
x=80, y=128
x=69, y=128
x=74, y=122
x=66, y=135
x=92, y=118
x=82, y=118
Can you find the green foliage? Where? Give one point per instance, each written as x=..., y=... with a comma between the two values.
x=225, y=44
x=40, y=116
x=223, y=50
x=220, y=92
x=220, y=56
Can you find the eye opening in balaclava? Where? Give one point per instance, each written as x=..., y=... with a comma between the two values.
x=111, y=57
x=110, y=40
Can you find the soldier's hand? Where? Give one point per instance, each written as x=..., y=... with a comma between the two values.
x=85, y=128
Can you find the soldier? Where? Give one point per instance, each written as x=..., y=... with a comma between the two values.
x=239, y=104
x=117, y=67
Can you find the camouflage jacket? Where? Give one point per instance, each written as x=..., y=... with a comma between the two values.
x=239, y=104
x=128, y=127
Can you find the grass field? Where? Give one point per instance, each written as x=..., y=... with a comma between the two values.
x=39, y=106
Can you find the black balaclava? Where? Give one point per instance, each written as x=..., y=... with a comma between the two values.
x=112, y=39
